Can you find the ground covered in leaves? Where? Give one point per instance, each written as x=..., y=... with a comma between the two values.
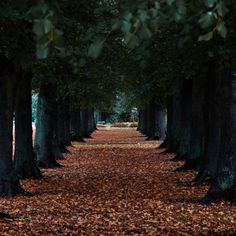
x=116, y=183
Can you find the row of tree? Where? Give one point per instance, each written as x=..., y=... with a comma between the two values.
x=59, y=122
x=188, y=67
x=38, y=58
x=174, y=55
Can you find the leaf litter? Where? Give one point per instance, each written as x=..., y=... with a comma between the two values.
x=117, y=183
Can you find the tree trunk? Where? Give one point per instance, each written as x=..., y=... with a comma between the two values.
x=9, y=181
x=160, y=123
x=139, y=120
x=197, y=129
x=61, y=135
x=223, y=185
x=175, y=127
x=142, y=120
x=169, y=124
x=45, y=127
x=85, y=120
x=212, y=120
x=25, y=163
x=150, y=121
x=56, y=148
x=66, y=105
x=90, y=121
x=75, y=124
x=93, y=124
x=186, y=115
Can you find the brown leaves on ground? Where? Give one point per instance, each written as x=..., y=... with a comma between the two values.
x=115, y=184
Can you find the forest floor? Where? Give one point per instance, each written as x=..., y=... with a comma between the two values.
x=116, y=183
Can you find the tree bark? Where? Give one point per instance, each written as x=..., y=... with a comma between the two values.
x=94, y=127
x=75, y=124
x=145, y=120
x=9, y=181
x=174, y=132
x=61, y=135
x=90, y=121
x=169, y=124
x=25, y=163
x=197, y=128
x=186, y=116
x=85, y=121
x=66, y=107
x=212, y=120
x=151, y=120
x=44, y=139
x=160, y=123
x=56, y=147
x=141, y=122
x=223, y=185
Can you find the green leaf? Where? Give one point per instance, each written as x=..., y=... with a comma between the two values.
x=222, y=9
x=222, y=30
x=143, y=16
x=96, y=48
x=38, y=27
x=131, y=40
x=42, y=52
x=126, y=26
x=127, y=16
x=153, y=12
x=206, y=37
x=82, y=62
x=210, y=3
x=207, y=19
x=116, y=26
x=144, y=32
x=170, y=2
x=180, y=11
x=47, y=26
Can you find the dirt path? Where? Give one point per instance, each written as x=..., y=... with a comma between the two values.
x=116, y=183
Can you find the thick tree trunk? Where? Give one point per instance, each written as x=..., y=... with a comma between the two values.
x=160, y=123
x=223, y=185
x=139, y=120
x=61, y=135
x=174, y=122
x=151, y=120
x=142, y=120
x=9, y=181
x=212, y=120
x=90, y=121
x=94, y=127
x=145, y=120
x=169, y=124
x=85, y=125
x=186, y=115
x=75, y=124
x=44, y=138
x=67, y=120
x=56, y=148
x=25, y=163
x=197, y=129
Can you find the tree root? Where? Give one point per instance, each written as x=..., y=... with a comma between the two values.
x=201, y=178
x=10, y=188
x=164, y=144
x=179, y=157
x=48, y=164
x=188, y=165
x=29, y=172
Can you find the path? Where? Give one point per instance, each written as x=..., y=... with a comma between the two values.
x=116, y=183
